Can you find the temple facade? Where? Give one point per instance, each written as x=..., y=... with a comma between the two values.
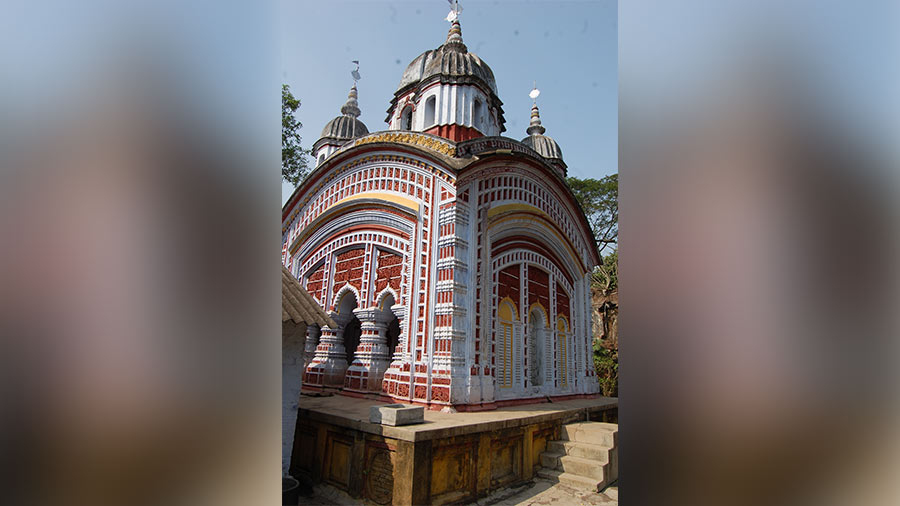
x=455, y=261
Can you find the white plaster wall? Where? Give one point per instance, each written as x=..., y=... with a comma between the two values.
x=293, y=340
x=454, y=106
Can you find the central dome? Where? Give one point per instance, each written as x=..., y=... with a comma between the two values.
x=448, y=92
x=456, y=66
x=452, y=61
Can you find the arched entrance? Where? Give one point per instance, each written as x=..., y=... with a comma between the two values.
x=393, y=335
x=351, y=337
x=351, y=324
x=537, y=331
x=392, y=330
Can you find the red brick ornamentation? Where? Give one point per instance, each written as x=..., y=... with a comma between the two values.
x=348, y=268
x=508, y=283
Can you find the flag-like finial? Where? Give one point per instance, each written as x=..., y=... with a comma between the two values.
x=455, y=9
x=355, y=72
x=535, y=92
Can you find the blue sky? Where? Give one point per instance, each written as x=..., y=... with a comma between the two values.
x=569, y=47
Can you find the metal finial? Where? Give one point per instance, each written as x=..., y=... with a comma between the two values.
x=351, y=107
x=455, y=9
x=535, y=92
x=535, y=127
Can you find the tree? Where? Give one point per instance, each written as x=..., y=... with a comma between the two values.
x=599, y=198
x=294, y=164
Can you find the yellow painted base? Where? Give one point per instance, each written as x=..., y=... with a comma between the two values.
x=432, y=470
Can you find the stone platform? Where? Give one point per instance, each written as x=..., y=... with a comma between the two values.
x=451, y=457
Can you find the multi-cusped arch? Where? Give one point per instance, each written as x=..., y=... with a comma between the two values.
x=383, y=295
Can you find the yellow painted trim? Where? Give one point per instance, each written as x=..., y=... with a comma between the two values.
x=396, y=199
x=543, y=310
x=494, y=211
x=562, y=239
x=406, y=203
x=514, y=308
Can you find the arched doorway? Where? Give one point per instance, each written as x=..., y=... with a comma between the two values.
x=352, y=332
x=351, y=324
x=392, y=331
x=393, y=335
x=537, y=331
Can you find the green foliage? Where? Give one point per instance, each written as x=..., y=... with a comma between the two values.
x=606, y=275
x=606, y=362
x=599, y=198
x=294, y=164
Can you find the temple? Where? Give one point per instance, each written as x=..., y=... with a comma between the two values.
x=455, y=262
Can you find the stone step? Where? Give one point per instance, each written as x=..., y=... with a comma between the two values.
x=550, y=460
x=570, y=480
x=584, y=467
x=598, y=433
x=579, y=449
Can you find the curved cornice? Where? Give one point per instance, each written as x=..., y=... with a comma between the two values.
x=318, y=225
x=438, y=151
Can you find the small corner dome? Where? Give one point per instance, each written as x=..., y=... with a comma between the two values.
x=344, y=128
x=545, y=146
x=536, y=140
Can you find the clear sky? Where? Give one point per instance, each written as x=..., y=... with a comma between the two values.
x=568, y=47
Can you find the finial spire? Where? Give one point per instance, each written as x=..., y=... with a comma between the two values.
x=454, y=36
x=535, y=126
x=351, y=108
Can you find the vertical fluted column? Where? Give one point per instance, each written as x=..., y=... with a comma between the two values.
x=328, y=366
x=372, y=355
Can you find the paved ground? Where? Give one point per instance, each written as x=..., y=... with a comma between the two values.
x=539, y=493
x=545, y=493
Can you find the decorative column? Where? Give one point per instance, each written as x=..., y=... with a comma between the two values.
x=396, y=378
x=366, y=372
x=329, y=365
x=312, y=341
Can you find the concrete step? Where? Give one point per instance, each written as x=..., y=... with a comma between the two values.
x=599, y=433
x=612, y=493
x=570, y=480
x=578, y=449
x=584, y=467
x=550, y=460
